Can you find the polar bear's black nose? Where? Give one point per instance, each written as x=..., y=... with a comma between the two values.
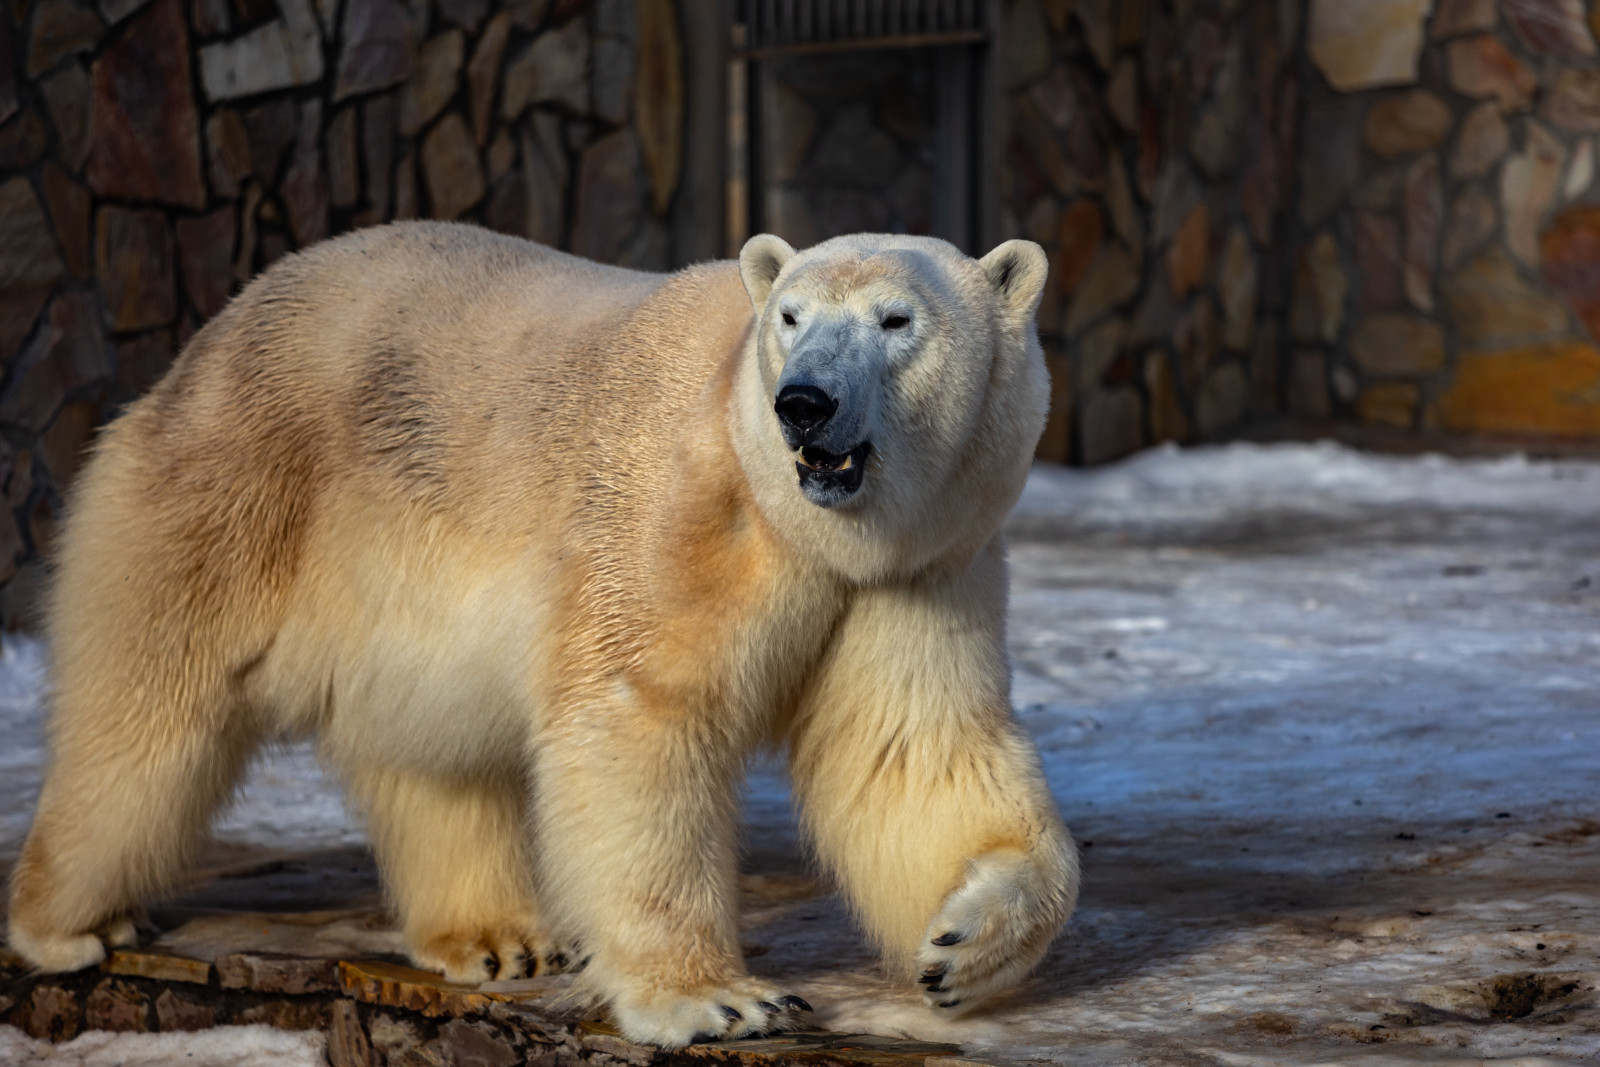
x=803, y=408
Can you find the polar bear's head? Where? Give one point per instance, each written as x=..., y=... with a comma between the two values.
x=893, y=393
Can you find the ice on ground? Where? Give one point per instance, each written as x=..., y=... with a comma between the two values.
x=225, y=1046
x=1322, y=724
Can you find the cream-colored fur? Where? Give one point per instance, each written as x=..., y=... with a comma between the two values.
x=517, y=538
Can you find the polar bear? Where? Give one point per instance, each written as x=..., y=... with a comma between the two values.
x=540, y=551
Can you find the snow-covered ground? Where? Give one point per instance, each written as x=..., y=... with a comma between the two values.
x=1323, y=724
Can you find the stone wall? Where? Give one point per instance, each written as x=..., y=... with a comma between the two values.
x=155, y=154
x=1354, y=216
x=1148, y=148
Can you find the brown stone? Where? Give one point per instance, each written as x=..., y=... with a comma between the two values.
x=1127, y=218
x=1570, y=261
x=280, y=54
x=501, y=159
x=22, y=141
x=1238, y=288
x=544, y=173
x=1307, y=392
x=1572, y=101
x=66, y=96
x=1490, y=305
x=286, y=1015
x=1167, y=419
x=405, y=186
x=270, y=129
x=1221, y=402
x=1215, y=140
x=433, y=82
x=1424, y=215
x=1111, y=425
x=1545, y=389
x=1122, y=95
x=1389, y=404
x=69, y=354
x=1480, y=67
x=1027, y=43
x=1528, y=185
x=30, y=266
x=462, y=1043
x=1555, y=27
x=146, y=141
x=1264, y=367
x=249, y=236
x=348, y=1045
x=1397, y=346
x=615, y=67
x=610, y=199
x=61, y=28
x=554, y=69
x=179, y=1013
x=275, y=973
x=1189, y=257
x=69, y=211
x=507, y=208
x=658, y=104
x=211, y=18
x=305, y=186
x=160, y=966
x=1452, y=18
x=1330, y=162
x=377, y=152
x=1110, y=283
x=134, y=263
x=205, y=259
x=1319, y=292
x=1473, y=220
x=451, y=168
x=1364, y=44
x=51, y=1014
x=396, y=986
x=397, y=1043
x=344, y=172
x=1481, y=144
x=1035, y=154
x=1097, y=350
x=117, y=1006
x=228, y=152
x=1079, y=237
x=1378, y=260
x=141, y=361
x=1197, y=341
x=1411, y=122
x=483, y=70
x=378, y=47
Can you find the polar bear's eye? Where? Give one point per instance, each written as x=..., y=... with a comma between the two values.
x=788, y=319
x=895, y=322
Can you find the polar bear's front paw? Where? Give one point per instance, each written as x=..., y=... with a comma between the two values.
x=740, y=1009
x=992, y=930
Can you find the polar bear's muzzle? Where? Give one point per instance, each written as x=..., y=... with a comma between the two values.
x=829, y=474
x=828, y=478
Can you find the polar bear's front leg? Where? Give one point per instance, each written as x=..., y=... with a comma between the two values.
x=923, y=794
x=635, y=809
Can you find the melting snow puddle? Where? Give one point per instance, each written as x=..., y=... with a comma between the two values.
x=1322, y=723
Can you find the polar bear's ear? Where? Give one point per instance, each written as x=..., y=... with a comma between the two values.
x=1017, y=270
x=762, y=257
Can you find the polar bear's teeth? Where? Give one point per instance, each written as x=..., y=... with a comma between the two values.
x=849, y=461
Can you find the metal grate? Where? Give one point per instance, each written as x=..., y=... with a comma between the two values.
x=774, y=26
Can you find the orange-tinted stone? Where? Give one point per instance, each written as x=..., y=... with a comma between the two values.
x=1389, y=404
x=1545, y=389
x=157, y=965
x=1083, y=228
x=396, y=986
x=1569, y=253
x=1189, y=258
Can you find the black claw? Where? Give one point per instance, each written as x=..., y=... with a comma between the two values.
x=768, y=1007
x=949, y=1003
x=734, y=1014
x=935, y=971
x=932, y=980
x=491, y=963
x=558, y=960
x=794, y=1003
x=952, y=938
x=702, y=1038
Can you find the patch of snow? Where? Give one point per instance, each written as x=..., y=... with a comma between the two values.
x=225, y=1046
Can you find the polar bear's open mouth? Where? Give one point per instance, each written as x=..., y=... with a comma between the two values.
x=830, y=478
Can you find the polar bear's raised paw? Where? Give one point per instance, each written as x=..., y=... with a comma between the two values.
x=493, y=954
x=989, y=932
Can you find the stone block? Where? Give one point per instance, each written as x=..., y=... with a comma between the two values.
x=1320, y=290
x=1330, y=162
x=1365, y=44
x=1452, y=18
x=61, y=28
x=348, y=1045
x=1397, y=346
x=1410, y=122
x=1222, y=400
x=227, y=152
x=146, y=139
x=286, y=1015
x=51, y=1014
x=1572, y=101
x=205, y=259
x=1078, y=237
x=280, y=55
x=134, y=259
x=483, y=72
x=1544, y=389
x=69, y=210
x=1557, y=28
x=544, y=172
x=1389, y=404
x=1189, y=256
x=433, y=81
x=1424, y=215
x=1529, y=182
x=395, y=986
x=1472, y=221
x=475, y=1044
x=270, y=129
x=114, y=1005
x=30, y=266
x=67, y=96
x=1111, y=425
x=1482, y=68
x=379, y=47
x=1027, y=43
x=1378, y=260
x=554, y=70
x=1570, y=261
x=1110, y=283
x=611, y=197
x=23, y=141
x=157, y=965
x=68, y=354
x=1483, y=141
x=377, y=152
x=305, y=185
x=276, y=973
x=141, y=361
x=175, y=1013
x=451, y=168
x=344, y=170
x=1239, y=289
x=1490, y=305
x=1307, y=388
x=1168, y=422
